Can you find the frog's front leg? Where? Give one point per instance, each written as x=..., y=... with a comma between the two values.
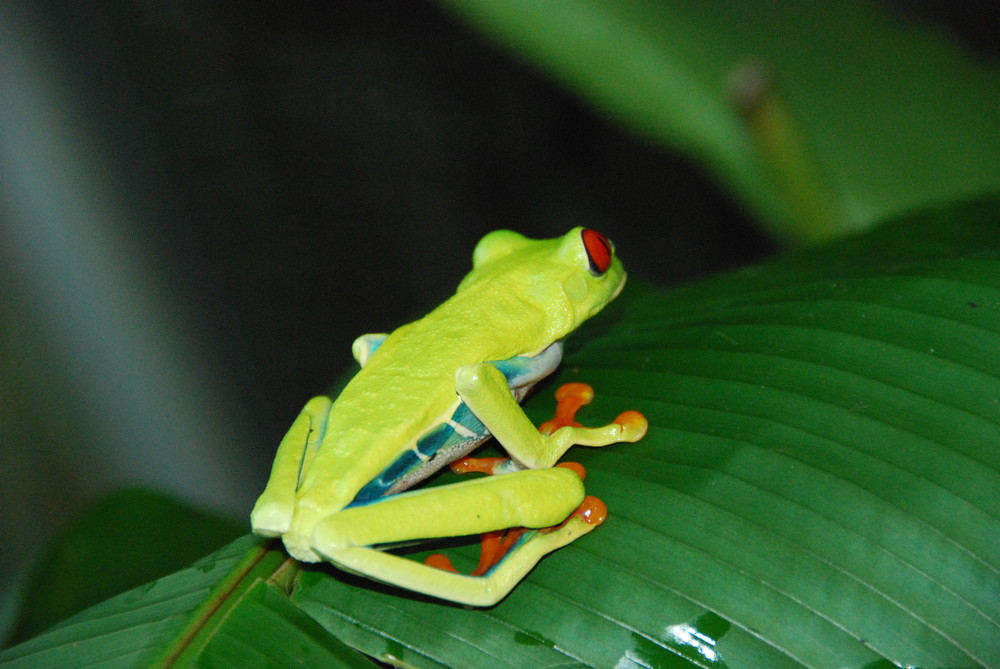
x=484, y=389
x=272, y=514
x=532, y=498
x=366, y=345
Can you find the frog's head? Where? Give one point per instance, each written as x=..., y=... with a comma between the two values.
x=569, y=278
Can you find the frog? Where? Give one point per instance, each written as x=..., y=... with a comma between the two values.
x=341, y=488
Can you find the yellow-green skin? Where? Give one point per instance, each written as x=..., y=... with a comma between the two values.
x=521, y=296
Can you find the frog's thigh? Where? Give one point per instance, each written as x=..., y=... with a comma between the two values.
x=272, y=514
x=532, y=498
x=484, y=389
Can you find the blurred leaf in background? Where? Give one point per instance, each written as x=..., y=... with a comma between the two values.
x=822, y=117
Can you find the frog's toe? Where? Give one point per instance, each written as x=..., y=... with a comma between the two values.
x=634, y=425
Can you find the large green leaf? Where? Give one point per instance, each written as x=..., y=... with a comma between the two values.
x=820, y=487
x=867, y=116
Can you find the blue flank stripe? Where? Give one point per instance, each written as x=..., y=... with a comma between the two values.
x=520, y=371
x=441, y=437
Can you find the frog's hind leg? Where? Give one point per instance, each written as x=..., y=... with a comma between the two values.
x=538, y=499
x=495, y=545
x=508, y=555
x=570, y=397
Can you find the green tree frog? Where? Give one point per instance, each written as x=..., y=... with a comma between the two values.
x=427, y=395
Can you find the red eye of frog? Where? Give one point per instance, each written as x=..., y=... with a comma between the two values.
x=598, y=251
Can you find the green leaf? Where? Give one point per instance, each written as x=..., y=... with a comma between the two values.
x=135, y=627
x=848, y=114
x=226, y=610
x=820, y=487
x=121, y=542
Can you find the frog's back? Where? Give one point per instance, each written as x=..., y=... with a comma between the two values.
x=410, y=379
x=407, y=387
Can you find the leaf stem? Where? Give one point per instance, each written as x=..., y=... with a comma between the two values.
x=786, y=155
x=259, y=562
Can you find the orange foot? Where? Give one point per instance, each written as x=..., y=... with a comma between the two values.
x=572, y=396
x=569, y=398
